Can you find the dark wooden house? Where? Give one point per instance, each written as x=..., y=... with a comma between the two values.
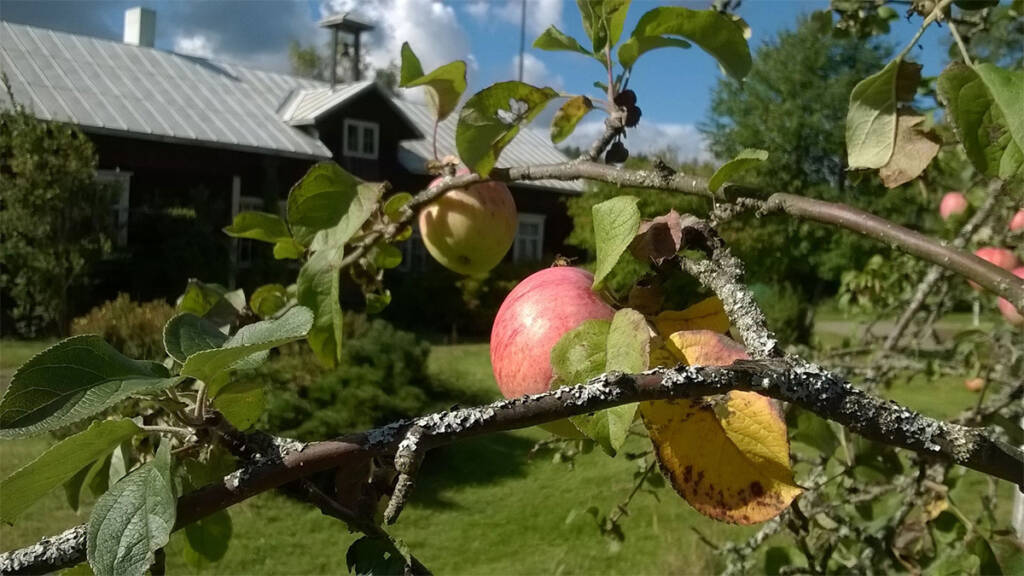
x=191, y=142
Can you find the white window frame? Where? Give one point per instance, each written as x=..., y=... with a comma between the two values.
x=244, y=247
x=519, y=246
x=355, y=149
x=122, y=204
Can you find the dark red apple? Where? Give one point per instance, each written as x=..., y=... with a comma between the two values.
x=531, y=320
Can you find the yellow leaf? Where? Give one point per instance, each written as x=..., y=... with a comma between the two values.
x=708, y=314
x=727, y=456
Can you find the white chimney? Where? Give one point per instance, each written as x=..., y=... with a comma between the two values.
x=139, y=26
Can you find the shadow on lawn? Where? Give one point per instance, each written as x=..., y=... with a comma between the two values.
x=475, y=462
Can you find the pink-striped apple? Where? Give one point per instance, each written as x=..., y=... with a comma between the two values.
x=1009, y=312
x=469, y=230
x=1001, y=257
x=953, y=203
x=1017, y=222
x=974, y=384
x=532, y=319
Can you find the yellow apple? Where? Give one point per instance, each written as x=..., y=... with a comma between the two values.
x=469, y=230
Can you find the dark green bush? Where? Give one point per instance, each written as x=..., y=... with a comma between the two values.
x=786, y=311
x=382, y=377
x=134, y=328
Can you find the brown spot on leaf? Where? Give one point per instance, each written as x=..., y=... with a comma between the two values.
x=756, y=489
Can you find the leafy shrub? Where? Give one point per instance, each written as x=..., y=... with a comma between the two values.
x=786, y=311
x=134, y=328
x=382, y=377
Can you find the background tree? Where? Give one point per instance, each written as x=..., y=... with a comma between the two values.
x=793, y=104
x=54, y=218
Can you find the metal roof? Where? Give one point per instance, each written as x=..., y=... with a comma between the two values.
x=306, y=105
x=111, y=87
x=527, y=148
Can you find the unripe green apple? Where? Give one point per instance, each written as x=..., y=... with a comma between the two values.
x=469, y=230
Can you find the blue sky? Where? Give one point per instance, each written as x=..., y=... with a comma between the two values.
x=673, y=85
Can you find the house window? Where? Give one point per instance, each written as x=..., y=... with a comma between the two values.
x=414, y=253
x=361, y=139
x=245, y=246
x=529, y=245
x=120, y=207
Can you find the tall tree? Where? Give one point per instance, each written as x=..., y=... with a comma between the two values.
x=54, y=216
x=794, y=104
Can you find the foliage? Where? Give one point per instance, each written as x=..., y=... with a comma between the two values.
x=868, y=508
x=786, y=312
x=382, y=377
x=54, y=219
x=134, y=329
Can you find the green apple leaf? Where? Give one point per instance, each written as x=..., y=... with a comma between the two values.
x=268, y=300
x=59, y=464
x=984, y=103
x=133, y=519
x=554, y=39
x=318, y=288
x=259, y=226
x=288, y=249
x=212, y=301
x=629, y=343
x=186, y=334
x=871, y=119
x=631, y=50
x=72, y=380
x=568, y=116
x=616, y=222
x=603, y=21
x=715, y=33
x=206, y=541
x=359, y=210
x=744, y=160
x=492, y=117
x=242, y=403
x=581, y=353
x=249, y=340
x=92, y=478
x=811, y=430
x=444, y=85
x=319, y=200
x=599, y=346
x=393, y=206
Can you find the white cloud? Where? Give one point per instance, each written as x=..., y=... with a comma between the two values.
x=535, y=72
x=539, y=13
x=431, y=28
x=683, y=141
x=194, y=45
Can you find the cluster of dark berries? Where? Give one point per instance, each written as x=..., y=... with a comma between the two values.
x=616, y=154
x=627, y=99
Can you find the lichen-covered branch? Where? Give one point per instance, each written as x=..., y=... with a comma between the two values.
x=794, y=381
x=989, y=276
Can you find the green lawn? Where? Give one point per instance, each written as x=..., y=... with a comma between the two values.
x=483, y=507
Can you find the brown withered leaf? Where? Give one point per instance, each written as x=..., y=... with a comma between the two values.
x=913, y=151
x=646, y=298
x=658, y=239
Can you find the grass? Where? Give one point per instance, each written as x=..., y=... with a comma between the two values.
x=484, y=507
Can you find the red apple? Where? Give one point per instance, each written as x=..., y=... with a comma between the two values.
x=531, y=320
x=469, y=230
x=1009, y=312
x=1017, y=222
x=1001, y=257
x=974, y=384
x=953, y=203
